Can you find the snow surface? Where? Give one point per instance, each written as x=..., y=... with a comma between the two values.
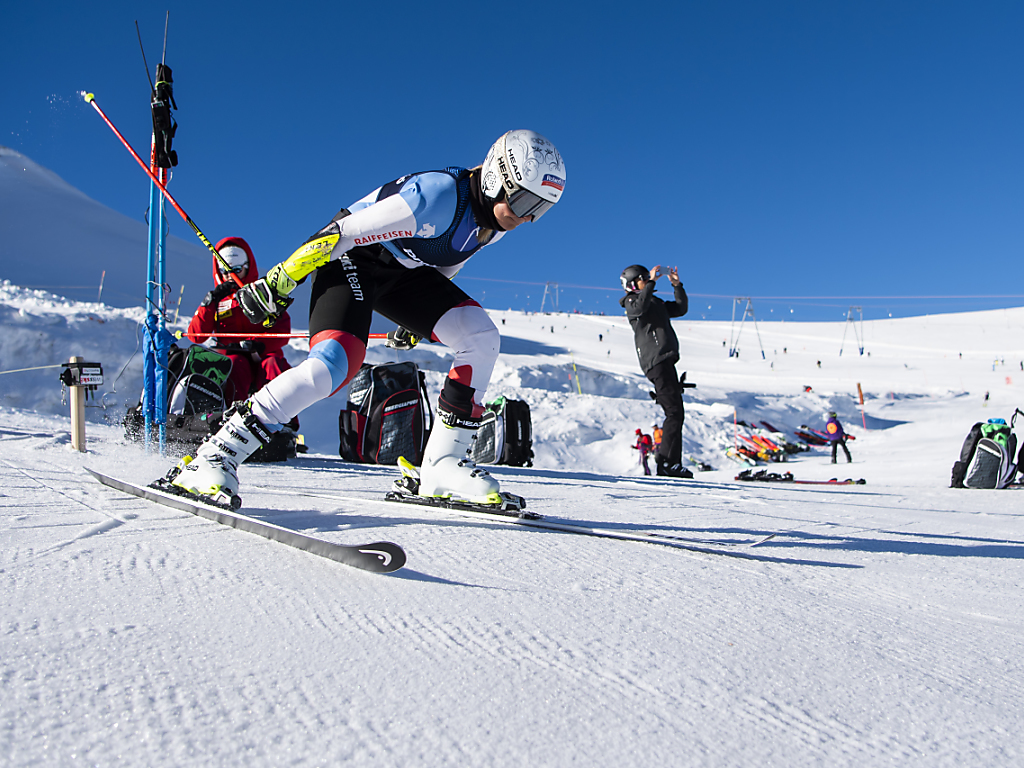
x=884, y=625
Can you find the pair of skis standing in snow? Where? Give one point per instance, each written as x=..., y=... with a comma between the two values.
x=394, y=251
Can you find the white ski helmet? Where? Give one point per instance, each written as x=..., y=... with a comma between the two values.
x=527, y=168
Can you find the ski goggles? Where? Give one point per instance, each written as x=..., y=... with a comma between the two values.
x=524, y=203
x=240, y=270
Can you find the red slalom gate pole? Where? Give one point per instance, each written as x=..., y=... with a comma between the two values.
x=216, y=335
x=91, y=99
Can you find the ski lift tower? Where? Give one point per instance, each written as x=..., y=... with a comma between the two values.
x=748, y=311
x=550, y=289
x=858, y=331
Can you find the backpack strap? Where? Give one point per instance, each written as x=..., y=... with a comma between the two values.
x=1016, y=412
x=426, y=399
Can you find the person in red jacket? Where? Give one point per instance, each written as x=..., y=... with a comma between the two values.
x=645, y=445
x=254, y=361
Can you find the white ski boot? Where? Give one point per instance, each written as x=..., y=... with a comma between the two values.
x=448, y=470
x=213, y=473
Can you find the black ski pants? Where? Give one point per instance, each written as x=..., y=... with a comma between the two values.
x=669, y=395
x=346, y=293
x=840, y=442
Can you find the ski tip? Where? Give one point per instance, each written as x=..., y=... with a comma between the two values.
x=88, y=97
x=383, y=557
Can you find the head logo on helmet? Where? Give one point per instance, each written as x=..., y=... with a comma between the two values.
x=525, y=169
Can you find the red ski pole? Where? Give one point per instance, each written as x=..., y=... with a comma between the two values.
x=180, y=334
x=91, y=99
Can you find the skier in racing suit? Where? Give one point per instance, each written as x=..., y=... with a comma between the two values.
x=393, y=251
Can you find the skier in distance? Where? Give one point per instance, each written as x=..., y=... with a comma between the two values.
x=836, y=436
x=394, y=251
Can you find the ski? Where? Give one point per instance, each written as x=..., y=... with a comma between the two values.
x=533, y=520
x=773, y=477
x=377, y=557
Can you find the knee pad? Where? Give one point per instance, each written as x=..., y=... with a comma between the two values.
x=341, y=352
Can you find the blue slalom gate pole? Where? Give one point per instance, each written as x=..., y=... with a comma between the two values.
x=162, y=345
x=151, y=331
x=154, y=371
x=157, y=339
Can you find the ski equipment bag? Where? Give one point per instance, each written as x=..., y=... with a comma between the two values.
x=196, y=407
x=987, y=457
x=388, y=415
x=194, y=379
x=505, y=435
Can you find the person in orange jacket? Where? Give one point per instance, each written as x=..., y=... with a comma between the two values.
x=254, y=360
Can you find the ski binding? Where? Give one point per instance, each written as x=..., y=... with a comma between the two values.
x=406, y=490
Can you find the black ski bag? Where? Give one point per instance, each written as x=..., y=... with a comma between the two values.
x=505, y=435
x=388, y=415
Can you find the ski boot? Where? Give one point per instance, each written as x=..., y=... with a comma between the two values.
x=665, y=468
x=448, y=469
x=408, y=485
x=449, y=473
x=212, y=475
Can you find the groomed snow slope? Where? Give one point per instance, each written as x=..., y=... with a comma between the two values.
x=882, y=626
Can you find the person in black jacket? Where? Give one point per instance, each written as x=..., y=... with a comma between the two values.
x=658, y=350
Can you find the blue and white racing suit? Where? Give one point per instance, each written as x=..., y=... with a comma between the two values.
x=396, y=251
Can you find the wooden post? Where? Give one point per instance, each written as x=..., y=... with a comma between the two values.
x=77, y=413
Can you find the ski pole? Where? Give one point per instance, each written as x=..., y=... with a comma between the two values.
x=91, y=99
x=181, y=334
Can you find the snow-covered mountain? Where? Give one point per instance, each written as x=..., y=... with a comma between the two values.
x=882, y=625
x=54, y=236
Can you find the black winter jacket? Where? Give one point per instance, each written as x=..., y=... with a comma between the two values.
x=656, y=342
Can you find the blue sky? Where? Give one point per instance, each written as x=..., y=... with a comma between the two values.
x=838, y=152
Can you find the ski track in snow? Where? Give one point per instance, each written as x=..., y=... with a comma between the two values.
x=882, y=626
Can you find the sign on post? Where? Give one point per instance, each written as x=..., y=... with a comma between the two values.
x=81, y=378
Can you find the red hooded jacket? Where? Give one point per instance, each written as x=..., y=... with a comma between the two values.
x=227, y=317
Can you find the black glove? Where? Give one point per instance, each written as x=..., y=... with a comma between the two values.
x=261, y=304
x=222, y=291
x=401, y=338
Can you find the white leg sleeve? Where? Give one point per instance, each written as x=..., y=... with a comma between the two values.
x=476, y=342
x=293, y=391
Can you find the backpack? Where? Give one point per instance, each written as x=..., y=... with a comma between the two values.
x=387, y=415
x=194, y=394
x=196, y=406
x=505, y=435
x=987, y=456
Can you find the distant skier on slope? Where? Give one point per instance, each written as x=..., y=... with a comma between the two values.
x=393, y=251
x=658, y=351
x=836, y=436
x=645, y=445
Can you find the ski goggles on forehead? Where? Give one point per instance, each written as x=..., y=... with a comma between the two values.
x=524, y=203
